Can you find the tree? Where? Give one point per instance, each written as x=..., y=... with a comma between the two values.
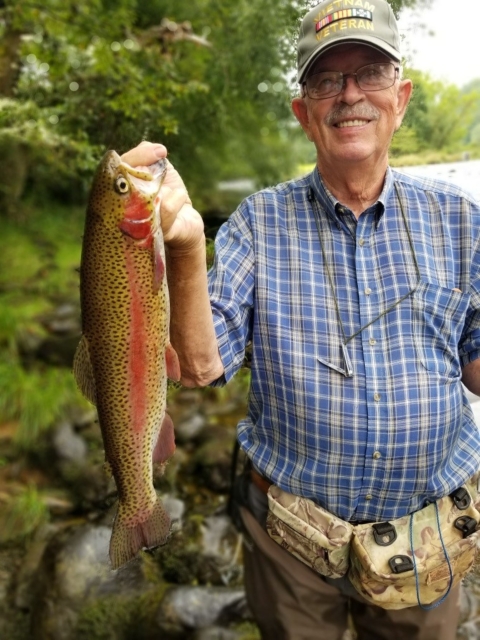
x=440, y=114
x=100, y=74
x=210, y=78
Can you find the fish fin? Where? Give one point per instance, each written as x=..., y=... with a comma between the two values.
x=173, y=363
x=126, y=541
x=158, y=261
x=165, y=446
x=83, y=371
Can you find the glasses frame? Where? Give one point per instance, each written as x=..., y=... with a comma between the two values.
x=351, y=75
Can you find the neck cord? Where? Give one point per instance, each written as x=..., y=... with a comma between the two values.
x=346, y=340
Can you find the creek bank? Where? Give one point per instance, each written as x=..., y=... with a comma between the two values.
x=55, y=580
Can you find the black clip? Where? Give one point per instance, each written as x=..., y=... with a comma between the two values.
x=384, y=533
x=461, y=498
x=466, y=525
x=400, y=564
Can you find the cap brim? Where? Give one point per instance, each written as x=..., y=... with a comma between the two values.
x=369, y=41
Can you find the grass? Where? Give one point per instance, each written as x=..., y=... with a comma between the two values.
x=39, y=256
x=23, y=515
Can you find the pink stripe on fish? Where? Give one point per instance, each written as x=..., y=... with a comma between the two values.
x=137, y=349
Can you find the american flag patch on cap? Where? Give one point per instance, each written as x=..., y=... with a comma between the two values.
x=341, y=15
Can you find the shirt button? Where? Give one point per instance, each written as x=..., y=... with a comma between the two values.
x=372, y=341
x=377, y=455
x=376, y=397
x=368, y=496
x=361, y=242
x=368, y=291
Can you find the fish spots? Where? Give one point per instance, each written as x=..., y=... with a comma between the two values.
x=125, y=320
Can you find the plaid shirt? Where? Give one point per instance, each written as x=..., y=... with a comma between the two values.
x=405, y=288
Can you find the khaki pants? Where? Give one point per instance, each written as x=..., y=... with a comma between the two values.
x=290, y=601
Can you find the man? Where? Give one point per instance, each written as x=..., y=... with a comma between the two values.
x=359, y=290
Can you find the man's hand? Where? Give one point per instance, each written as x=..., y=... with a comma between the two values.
x=182, y=226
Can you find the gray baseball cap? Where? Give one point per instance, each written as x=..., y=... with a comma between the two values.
x=335, y=22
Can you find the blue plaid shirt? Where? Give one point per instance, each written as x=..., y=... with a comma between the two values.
x=373, y=429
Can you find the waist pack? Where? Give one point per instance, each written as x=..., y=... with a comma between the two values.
x=413, y=560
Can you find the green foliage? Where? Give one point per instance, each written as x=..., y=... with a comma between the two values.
x=210, y=79
x=440, y=116
x=23, y=515
x=36, y=398
x=37, y=267
x=186, y=73
x=121, y=617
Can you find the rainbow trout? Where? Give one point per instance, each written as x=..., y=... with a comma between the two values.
x=124, y=356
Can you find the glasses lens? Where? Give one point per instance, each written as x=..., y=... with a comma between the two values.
x=371, y=77
x=324, y=84
x=374, y=77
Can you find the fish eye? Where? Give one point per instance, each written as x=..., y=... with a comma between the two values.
x=121, y=185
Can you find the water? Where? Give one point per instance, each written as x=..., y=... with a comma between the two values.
x=464, y=174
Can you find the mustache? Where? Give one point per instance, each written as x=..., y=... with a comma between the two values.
x=345, y=111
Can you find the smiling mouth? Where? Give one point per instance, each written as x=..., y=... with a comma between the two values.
x=351, y=123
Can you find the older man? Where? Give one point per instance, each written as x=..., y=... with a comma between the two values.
x=359, y=290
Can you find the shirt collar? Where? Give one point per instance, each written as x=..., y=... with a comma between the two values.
x=329, y=202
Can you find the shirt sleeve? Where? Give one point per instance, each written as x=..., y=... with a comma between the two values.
x=469, y=347
x=231, y=289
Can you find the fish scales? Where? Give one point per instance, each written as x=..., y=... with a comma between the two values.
x=121, y=361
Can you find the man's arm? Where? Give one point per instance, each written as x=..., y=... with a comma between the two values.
x=192, y=333
x=471, y=376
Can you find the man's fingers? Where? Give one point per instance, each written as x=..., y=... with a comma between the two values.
x=172, y=201
x=145, y=154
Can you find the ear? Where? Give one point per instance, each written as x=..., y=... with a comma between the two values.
x=403, y=98
x=300, y=110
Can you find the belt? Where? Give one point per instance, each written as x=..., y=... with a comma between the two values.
x=261, y=482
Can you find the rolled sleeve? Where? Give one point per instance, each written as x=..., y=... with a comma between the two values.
x=231, y=289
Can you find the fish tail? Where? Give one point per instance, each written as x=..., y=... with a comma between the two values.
x=128, y=539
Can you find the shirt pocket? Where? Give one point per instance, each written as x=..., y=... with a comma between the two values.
x=439, y=317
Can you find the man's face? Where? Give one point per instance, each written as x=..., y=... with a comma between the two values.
x=355, y=126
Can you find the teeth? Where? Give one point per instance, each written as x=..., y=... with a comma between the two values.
x=351, y=123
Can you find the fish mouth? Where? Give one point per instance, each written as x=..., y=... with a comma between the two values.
x=146, y=179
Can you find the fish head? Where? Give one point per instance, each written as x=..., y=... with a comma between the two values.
x=127, y=198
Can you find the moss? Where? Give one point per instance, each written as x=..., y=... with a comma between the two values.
x=248, y=631
x=121, y=617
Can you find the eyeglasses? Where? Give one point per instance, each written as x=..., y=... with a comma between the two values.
x=371, y=77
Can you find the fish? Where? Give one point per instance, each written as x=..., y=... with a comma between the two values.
x=124, y=357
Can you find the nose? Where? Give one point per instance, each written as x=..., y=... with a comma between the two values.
x=351, y=92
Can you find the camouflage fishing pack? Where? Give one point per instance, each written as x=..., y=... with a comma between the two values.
x=410, y=561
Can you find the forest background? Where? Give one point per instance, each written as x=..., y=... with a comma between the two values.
x=212, y=80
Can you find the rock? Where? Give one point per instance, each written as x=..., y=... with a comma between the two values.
x=217, y=633
x=222, y=543
x=75, y=580
x=212, y=460
x=68, y=445
x=64, y=319
x=189, y=427
x=176, y=511
x=58, y=350
x=199, y=607
x=82, y=418
x=25, y=578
